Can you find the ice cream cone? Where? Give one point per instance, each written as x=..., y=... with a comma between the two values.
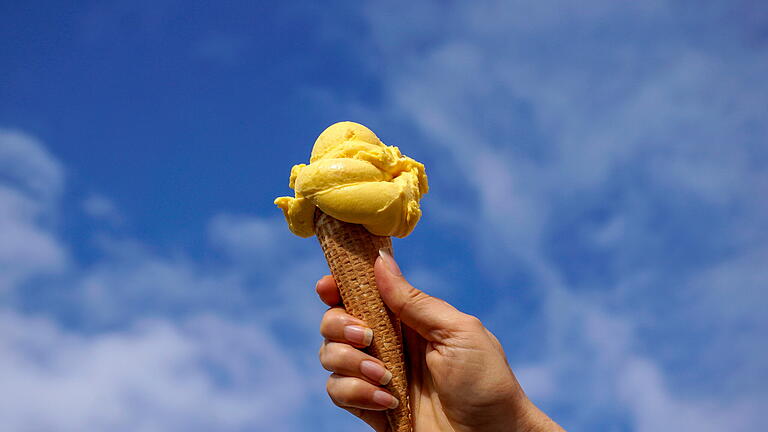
x=351, y=252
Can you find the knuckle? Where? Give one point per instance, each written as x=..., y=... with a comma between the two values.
x=323, y=327
x=415, y=296
x=472, y=322
x=414, y=299
x=355, y=387
x=326, y=319
x=337, y=403
x=326, y=357
x=346, y=355
x=325, y=365
x=338, y=390
x=334, y=355
x=331, y=312
x=332, y=319
x=330, y=388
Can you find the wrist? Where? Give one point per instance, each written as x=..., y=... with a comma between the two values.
x=531, y=419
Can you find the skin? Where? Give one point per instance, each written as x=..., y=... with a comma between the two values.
x=459, y=377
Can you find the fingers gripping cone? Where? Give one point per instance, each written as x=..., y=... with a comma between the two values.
x=351, y=252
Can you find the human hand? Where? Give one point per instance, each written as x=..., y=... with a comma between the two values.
x=459, y=379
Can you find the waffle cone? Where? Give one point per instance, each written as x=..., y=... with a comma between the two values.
x=351, y=252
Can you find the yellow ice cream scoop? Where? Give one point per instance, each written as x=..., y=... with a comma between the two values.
x=354, y=177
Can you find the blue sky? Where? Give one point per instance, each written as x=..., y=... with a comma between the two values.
x=597, y=172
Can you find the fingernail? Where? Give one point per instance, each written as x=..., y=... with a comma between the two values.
x=358, y=334
x=389, y=262
x=385, y=399
x=375, y=372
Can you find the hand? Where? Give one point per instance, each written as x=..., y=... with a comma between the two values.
x=459, y=378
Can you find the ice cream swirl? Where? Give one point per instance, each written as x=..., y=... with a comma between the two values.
x=354, y=177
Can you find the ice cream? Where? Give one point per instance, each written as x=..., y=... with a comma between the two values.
x=354, y=195
x=354, y=177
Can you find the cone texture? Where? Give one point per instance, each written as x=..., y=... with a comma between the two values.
x=351, y=252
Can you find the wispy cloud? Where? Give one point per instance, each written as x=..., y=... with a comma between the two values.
x=30, y=182
x=139, y=339
x=103, y=209
x=26, y=164
x=603, y=163
x=605, y=148
x=243, y=237
x=200, y=374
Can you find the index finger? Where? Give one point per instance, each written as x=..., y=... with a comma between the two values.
x=328, y=291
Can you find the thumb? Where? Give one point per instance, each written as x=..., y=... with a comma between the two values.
x=434, y=319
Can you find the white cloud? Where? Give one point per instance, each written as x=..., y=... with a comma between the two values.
x=28, y=165
x=554, y=113
x=102, y=208
x=538, y=380
x=654, y=408
x=30, y=182
x=247, y=237
x=545, y=112
x=26, y=249
x=595, y=355
x=147, y=346
x=201, y=374
x=132, y=281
